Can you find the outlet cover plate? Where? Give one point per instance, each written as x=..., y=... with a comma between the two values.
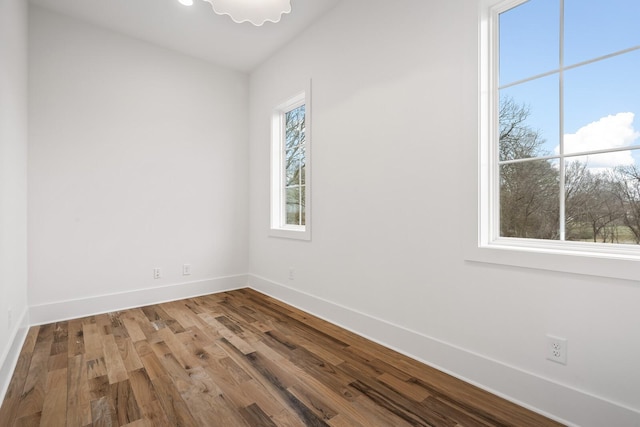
x=557, y=349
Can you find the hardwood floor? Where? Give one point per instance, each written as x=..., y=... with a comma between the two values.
x=236, y=358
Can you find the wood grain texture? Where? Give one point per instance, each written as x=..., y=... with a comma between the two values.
x=236, y=358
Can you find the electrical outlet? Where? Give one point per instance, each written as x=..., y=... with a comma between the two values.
x=291, y=273
x=557, y=349
x=156, y=273
x=186, y=269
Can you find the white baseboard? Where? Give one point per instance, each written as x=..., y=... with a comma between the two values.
x=9, y=359
x=72, y=309
x=557, y=401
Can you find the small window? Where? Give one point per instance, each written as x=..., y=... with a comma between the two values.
x=559, y=162
x=290, y=169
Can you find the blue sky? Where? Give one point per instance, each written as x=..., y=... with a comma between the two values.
x=596, y=95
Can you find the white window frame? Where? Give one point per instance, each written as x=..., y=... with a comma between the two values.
x=485, y=244
x=278, y=226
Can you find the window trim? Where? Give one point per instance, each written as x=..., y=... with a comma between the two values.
x=483, y=242
x=278, y=226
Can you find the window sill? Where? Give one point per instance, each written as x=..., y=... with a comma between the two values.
x=575, y=258
x=292, y=232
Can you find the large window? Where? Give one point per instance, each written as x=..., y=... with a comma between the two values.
x=290, y=169
x=569, y=93
x=560, y=99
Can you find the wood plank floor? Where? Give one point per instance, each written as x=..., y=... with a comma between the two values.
x=236, y=358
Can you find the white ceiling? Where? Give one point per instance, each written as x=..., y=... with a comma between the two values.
x=196, y=30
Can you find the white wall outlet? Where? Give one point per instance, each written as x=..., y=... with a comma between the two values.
x=292, y=272
x=156, y=273
x=557, y=349
x=186, y=269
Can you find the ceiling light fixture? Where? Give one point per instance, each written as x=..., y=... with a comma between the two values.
x=255, y=11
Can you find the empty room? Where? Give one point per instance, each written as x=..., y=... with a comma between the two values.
x=234, y=213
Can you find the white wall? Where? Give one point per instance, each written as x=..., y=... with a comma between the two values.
x=395, y=121
x=13, y=182
x=137, y=159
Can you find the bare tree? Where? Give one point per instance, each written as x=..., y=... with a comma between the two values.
x=592, y=209
x=517, y=139
x=529, y=190
x=626, y=182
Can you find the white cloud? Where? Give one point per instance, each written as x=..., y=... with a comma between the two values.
x=613, y=131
